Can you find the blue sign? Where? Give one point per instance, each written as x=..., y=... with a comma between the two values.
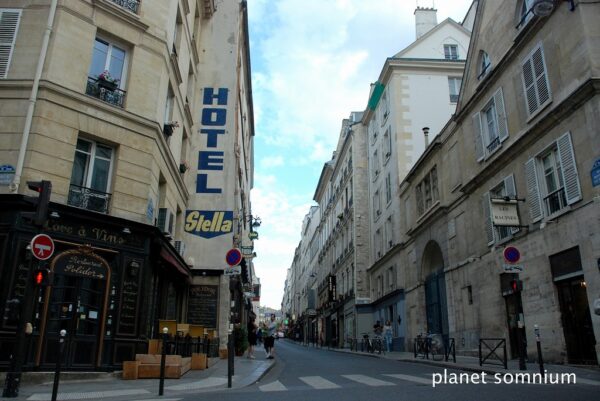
x=233, y=257
x=208, y=223
x=512, y=254
x=7, y=174
x=596, y=173
x=150, y=210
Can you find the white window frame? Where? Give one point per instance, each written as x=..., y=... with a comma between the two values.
x=111, y=45
x=485, y=64
x=524, y=13
x=8, y=42
x=376, y=165
x=388, y=188
x=485, y=143
x=91, y=163
x=448, y=54
x=454, y=84
x=387, y=145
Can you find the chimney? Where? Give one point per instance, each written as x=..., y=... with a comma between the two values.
x=425, y=20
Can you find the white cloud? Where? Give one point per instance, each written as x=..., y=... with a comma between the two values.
x=272, y=161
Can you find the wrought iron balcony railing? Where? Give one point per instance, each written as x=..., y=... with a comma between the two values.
x=555, y=201
x=131, y=5
x=105, y=92
x=89, y=199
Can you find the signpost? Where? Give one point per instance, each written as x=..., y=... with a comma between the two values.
x=42, y=246
x=233, y=257
x=512, y=256
x=253, y=235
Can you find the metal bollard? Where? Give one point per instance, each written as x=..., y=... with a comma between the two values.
x=521, y=340
x=539, y=348
x=230, y=350
x=163, y=358
x=61, y=349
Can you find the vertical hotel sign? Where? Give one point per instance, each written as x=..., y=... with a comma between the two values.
x=211, y=162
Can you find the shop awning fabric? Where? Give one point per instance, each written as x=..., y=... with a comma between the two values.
x=173, y=262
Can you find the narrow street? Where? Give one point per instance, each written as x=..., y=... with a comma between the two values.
x=317, y=374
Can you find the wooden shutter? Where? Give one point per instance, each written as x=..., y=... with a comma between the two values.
x=487, y=215
x=501, y=115
x=511, y=192
x=533, y=191
x=479, y=153
x=529, y=86
x=541, y=76
x=569, y=168
x=9, y=25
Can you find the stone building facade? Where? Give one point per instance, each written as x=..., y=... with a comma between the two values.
x=114, y=124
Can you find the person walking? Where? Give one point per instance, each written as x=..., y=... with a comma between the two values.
x=387, y=333
x=270, y=338
x=251, y=336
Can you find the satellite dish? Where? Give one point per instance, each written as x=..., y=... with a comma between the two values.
x=543, y=8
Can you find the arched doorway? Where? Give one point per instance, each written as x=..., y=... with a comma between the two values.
x=77, y=303
x=436, y=306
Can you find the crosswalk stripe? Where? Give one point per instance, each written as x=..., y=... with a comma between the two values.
x=318, y=382
x=275, y=386
x=410, y=378
x=369, y=381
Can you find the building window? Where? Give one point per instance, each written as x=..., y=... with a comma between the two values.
x=388, y=188
x=484, y=64
x=390, y=279
x=506, y=188
x=91, y=176
x=427, y=192
x=9, y=25
x=490, y=126
x=107, y=72
x=375, y=165
x=389, y=232
x=372, y=131
x=552, y=179
x=387, y=145
x=451, y=52
x=525, y=13
x=376, y=205
x=454, y=87
x=384, y=108
x=535, y=81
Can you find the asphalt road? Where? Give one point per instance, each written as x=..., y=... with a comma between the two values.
x=317, y=374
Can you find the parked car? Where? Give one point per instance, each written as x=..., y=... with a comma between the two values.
x=280, y=334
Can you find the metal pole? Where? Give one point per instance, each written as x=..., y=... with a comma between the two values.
x=539, y=348
x=163, y=358
x=521, y=341
x=229, y=359
x=61, y=349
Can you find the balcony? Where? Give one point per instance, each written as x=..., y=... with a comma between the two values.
x=493, y=144
x=555, y=201
x=89, y=199
x=108, y=94
x=129, y=5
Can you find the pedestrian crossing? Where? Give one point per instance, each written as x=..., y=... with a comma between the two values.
x=322, y=383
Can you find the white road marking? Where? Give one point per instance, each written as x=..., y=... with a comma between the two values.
x=318, y=382
x=369, y=381
x=410, y=378
x=275, y=386
x=209, y=382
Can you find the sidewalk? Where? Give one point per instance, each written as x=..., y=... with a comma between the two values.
x=112, y=387
x=584, y=374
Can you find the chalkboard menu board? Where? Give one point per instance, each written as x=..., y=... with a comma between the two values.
x=202, y=305
x=129, y=298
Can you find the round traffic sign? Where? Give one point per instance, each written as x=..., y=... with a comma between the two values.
x=42, y=246
x=512, y=254
x=233, y=257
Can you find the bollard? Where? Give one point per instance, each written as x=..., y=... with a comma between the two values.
x=229, y=358
x=163, y=358
x=61, y=349
x=521, y=341
x=539, y=348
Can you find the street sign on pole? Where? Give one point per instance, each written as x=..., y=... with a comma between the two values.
x=232, y=271
x=233, y=257
x=42, y=246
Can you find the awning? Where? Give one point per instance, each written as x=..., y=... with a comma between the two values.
x=173, y=262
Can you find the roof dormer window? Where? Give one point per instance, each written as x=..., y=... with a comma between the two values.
x=484, y=64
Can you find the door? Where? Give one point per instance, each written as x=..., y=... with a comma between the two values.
x=435, y=300
x=514, y=314
x=577, y=321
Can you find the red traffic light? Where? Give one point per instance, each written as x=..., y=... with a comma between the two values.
x=516, y=285
x=42, y=276
x=39, y=277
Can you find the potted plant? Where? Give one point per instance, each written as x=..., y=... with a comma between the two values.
x=169, y=126
x=107, y=81
x=240, y=340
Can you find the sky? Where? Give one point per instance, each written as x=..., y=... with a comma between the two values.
x=312, y=64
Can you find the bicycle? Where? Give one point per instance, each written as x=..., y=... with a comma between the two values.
x=436, y=346
x=378, y=345
x=367, y=344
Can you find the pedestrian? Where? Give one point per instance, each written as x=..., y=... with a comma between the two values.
x=251, y=336
x=259, y=333
x=377, y=328
x=387, y=333
x=270, y=338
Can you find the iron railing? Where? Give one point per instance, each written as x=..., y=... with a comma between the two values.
x=97, y=89
x=493, y=144
x=131, y=5
x=555, y=201
x=186, y=346
x=89, y=199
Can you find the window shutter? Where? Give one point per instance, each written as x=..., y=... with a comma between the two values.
x=533, y=191
x=529, y=86
x=501, y=115
x=477, y=136
x=511, y=192
x=541, y=76
x=569, y=168
x=487, y=215
x=9, y=24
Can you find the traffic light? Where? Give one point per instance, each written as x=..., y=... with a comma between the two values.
x=12, y=311
x=43, y=188
x=516, y=285
x=42, y=276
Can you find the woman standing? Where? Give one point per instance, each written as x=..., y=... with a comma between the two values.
x=387, y=333
x=251, y=337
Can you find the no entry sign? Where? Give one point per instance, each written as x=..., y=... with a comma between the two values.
x=42, y=246
x=233, y=257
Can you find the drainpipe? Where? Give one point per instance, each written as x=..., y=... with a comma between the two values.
x=14, y=187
